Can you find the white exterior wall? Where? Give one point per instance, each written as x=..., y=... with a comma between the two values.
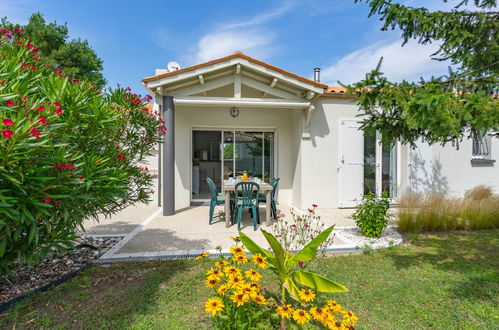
x=189, y=118
x=308, y=167
x=450, y=171
x=320, y=153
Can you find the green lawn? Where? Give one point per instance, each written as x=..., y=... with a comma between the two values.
x=445, y=281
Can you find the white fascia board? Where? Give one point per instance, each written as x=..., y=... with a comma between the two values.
x=191, y=74
x=261, y=103
x=282, y=77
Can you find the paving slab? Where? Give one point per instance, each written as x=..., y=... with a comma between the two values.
x=124, y=221
x=189, y=229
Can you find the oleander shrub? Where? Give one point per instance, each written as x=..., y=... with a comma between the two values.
x=67, y=152
x=478, y=209
x=371, y=215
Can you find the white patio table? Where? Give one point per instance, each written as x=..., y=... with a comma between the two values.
x=229, y=187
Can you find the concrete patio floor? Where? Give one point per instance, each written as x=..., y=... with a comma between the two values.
x=188, y=233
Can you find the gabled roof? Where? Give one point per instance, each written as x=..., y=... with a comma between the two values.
x=236, y=55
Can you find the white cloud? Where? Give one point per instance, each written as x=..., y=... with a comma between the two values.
x=218, y=44
x=409, y=62
x=249, y=36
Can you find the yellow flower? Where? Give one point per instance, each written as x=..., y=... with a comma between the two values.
x=212, y=281
x=260, y=261
x=247, y=289
x=239, y=298
x=202, y=255
x=334, y=307
x=301, y=316
x=335, y=325
x=215, y=272
x=240, y=258
x=236, y=239
x=221, y=264
x=319, y=314
x=255, y=286
x=213, y=306
x=253, y=275
x=260, y=299
x=306, y=295
x=222, y=289
x=285, y=311
x=236, y=250
x=235, y=281
x=349, y=318
x=231, y=270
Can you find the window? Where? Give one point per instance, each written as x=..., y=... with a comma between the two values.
x=481, y=145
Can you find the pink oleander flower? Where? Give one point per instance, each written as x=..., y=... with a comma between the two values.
x=47, y=200
x=7, y=122
x=9, y=103
x=7, y=133
x=33, y=131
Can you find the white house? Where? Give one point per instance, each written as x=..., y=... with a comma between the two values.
x=237, y=114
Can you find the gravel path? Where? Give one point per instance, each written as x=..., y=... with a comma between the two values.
x=389, y=237
x=24, y=278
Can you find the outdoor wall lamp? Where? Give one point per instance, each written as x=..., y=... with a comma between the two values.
x=234, y=112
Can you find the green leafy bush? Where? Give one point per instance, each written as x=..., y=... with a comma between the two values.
x=371, y=215
x=67, y=152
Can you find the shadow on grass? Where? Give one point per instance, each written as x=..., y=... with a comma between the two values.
x=471, y=254
x=113, y=296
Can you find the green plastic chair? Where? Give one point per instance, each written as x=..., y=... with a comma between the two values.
x=245, y=199
x=262, y=199
x=216, y=197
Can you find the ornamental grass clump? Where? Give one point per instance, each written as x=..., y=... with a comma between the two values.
x=68, y=152
x=240, y=301
x=478, y=209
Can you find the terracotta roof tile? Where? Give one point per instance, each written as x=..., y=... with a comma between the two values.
x=237, y=54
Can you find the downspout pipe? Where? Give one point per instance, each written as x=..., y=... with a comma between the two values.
x=168, y=175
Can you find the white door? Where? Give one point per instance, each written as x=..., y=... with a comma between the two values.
x=351, y=163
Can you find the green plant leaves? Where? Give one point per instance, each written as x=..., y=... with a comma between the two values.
x=255, y=248
x=316, y=281
x=309, y=251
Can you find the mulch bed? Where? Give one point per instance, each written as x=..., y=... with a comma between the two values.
x=54, y=268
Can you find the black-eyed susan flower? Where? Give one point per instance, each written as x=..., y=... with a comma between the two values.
x=215, y=272
x=306, y=295
x=240, y=258
x=260, y=261
x=231, y=270
x=222, y=289
x=255, y=286
x=202, y=256
x=333, y=306
x=236, y=250
x=320, y=314
x=259, y=299
x=349, y=318
x=239, y=298
x=247, y=289
x=221, y=264
x=285, y=311
x=301, y=316
x=212, y=281
x=236, y=239
x=335, y=325
x=253, y=275
x=214, y=305
x=235, y=281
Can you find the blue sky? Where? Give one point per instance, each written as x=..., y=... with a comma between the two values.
x=134, y=37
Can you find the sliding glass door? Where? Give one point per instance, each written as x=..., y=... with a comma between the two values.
x=225, y=154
